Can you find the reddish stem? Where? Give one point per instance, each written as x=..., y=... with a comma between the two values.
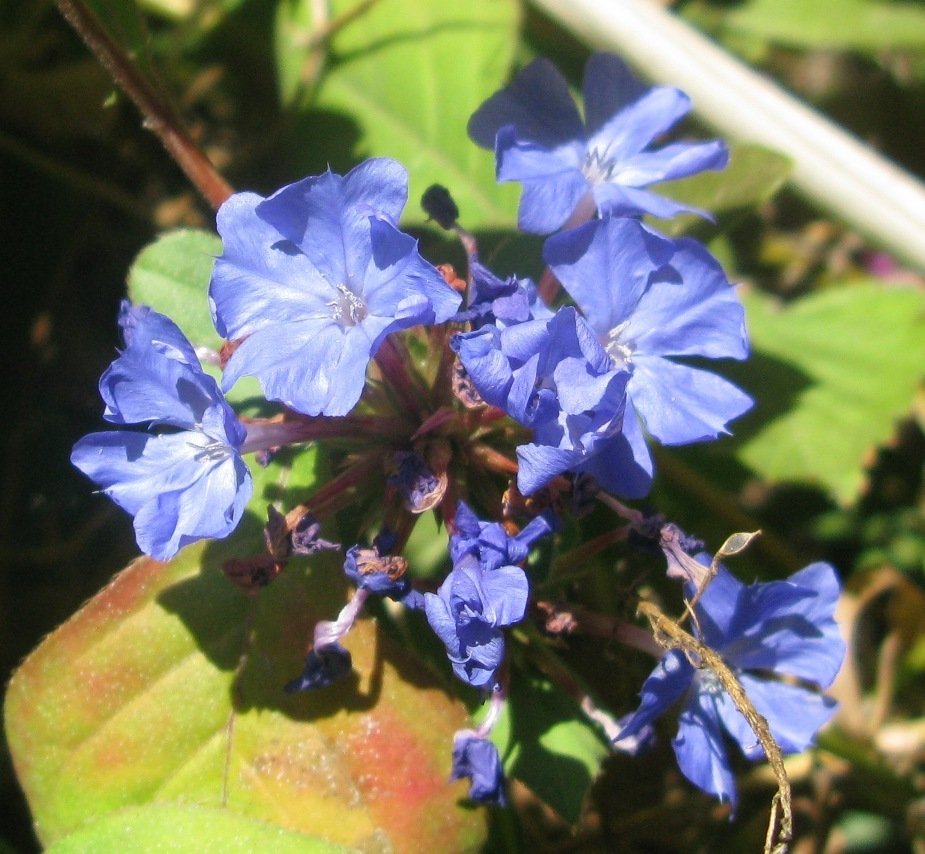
x=493, y=460
x=329, y=497
x=599, y=625
x=271, y=433
x=159, y=117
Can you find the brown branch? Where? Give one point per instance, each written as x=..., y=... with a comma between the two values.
x=159, y=117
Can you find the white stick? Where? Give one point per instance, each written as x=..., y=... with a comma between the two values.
x=831, y=167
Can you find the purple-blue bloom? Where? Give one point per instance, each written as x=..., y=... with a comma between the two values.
x=501, y=301
x=490, y=543
x=183, y=484
x=314, y=278
x=568, y=166
x=468, y=613
x=478, y=759
x=556, y=377
x=781, y=628
x=649, y=300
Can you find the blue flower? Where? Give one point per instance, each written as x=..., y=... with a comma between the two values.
x=490, y=543
x=765, y=630
x=469, y=611
x=648, y=299
x=569, y=167
x=183, y=484
x=501, y=301
x=556, y=377
x=314, y=278
x=478, y=759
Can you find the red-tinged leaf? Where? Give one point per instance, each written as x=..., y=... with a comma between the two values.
x=130, y=704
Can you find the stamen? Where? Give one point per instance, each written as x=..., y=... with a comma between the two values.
x=620, y=352
x=214, y=451
x=349, y=309
x=598, y=167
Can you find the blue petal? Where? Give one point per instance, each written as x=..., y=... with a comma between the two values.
x=619, y=200
x=661, y=690
x=300, y=368
x=506, y=591
x=260, y=280
x=680, y=404
x=441, y=620
x=700, y=749
x=673, y=161
x=145, y=386
x=177, y=492
x=489, y=369
x=689, y=309
x=789, y=627
x=794, y=715
x=553, y=183
x=608, y=86
x=523, y=341
x=580, y=390
x=399, y=277
x=143, y=327
x=719, y=607
x=605, y=266
x=158, y=378
x=623, y=465
x=478, y=759
x=327, y=216
x=539, y=464
x=629, y=131
x=324, y=665
x=536, y=102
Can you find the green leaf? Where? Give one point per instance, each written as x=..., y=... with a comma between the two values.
x=167, y=687
x=753, y=175
x=404, y=78
x=547, y=744
x=186, y=828
x=832, y=374
x=865, y=25
x=172, y=276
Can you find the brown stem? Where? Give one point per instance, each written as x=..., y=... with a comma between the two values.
x=159, y=117
x=562, y=618
x=493, y=460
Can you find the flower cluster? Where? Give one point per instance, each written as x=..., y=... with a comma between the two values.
x=506, y=401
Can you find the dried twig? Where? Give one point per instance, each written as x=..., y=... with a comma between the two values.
x=672, y=636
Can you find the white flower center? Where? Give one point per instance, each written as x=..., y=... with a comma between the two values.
x=598, y=167
x=620, y=350
x=347, y=309
x=213, y=451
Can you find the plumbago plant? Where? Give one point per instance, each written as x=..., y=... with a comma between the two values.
x=358, y=476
